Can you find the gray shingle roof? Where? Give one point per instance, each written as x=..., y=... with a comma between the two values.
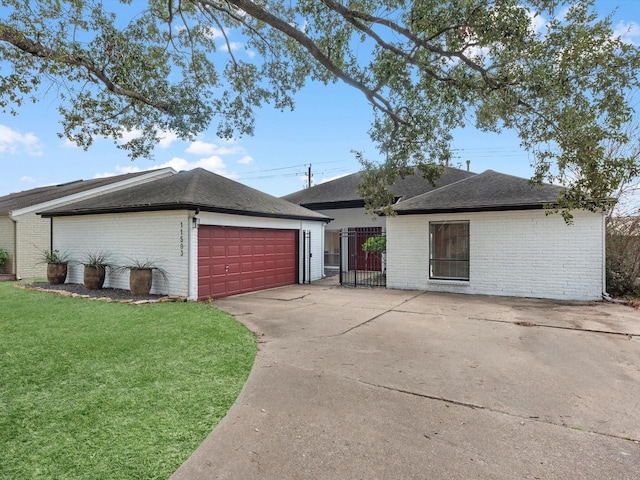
x=191, y=190
x=484, y=192
x=36, y=196
x=341, y=192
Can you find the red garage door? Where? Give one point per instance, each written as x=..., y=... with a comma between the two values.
x=234, y=260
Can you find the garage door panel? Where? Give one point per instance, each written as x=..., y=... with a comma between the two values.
x=234, y=260
x=247, y=267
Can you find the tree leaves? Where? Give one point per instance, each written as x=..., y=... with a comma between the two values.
x=426, y=67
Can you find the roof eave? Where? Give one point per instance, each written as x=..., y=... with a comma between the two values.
x=359, y=203
x=485, y=208
x=174, y=206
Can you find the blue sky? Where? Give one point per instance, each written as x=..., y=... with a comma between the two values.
x=326, y=125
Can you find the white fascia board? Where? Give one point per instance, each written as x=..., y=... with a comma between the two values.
x=93, y=191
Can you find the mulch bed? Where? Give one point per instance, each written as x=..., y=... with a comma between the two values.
x=107, y=294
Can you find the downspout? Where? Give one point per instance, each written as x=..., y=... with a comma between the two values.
x=14, y=269
x=193, y=223
x=605, y=295
x=322, y=247
x=51, y=234
x=604, y=256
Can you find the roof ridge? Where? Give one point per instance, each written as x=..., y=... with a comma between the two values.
x=439, y=189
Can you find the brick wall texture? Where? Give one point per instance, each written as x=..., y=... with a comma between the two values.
x=154, y=236
x=167, y=238
x=522, y=253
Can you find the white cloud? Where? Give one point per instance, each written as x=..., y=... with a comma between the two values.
x=537, y=22
x=166, y=138
x=213, y=164
x=629, y=32
x=236, y=47
x=66, y=143
x=128, y=135
x=324, y=180
x=204, y=148
x=212, y=32
x=246, y=160
x=122, y=170
x=27, y=179
x=12, y=141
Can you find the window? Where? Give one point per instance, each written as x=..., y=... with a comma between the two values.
x=332, y=248
x=449, y=250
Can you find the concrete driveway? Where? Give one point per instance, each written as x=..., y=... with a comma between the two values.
x=387, y=384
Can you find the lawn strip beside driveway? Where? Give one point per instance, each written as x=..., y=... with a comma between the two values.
x=393, y=384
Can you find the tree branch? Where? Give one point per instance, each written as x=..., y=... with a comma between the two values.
x=36, y=49
x=260, y=13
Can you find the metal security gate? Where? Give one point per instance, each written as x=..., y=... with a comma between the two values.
x=362, y=257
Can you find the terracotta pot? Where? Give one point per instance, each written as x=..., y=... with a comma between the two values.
x=56, y=273
x=94, y=277
x=140, y=280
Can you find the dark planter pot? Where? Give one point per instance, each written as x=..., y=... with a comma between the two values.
x=140, y=280
x=94, y=277
x=56, y=273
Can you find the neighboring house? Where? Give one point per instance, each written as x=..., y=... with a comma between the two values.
x=491, y=234
x=214, y=237
x=339, y=199
x=25, y=235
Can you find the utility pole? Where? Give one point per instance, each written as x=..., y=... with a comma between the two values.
x=309, y=177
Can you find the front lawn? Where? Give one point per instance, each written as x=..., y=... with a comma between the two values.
x=90, y=389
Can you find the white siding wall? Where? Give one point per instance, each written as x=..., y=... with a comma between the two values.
x=525, y=253
x=352, y=217
x=162, y=237
x=33, y=235
x=8, y=242
x=317, y=238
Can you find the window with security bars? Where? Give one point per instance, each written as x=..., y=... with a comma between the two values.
x=449, y=250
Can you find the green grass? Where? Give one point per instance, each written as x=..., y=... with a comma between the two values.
x=91, y=389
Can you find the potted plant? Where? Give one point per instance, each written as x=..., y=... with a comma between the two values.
x=57, y=264
x=95, y=269
x=141, y=275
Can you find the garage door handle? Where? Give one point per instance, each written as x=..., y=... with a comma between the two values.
x=226, y=268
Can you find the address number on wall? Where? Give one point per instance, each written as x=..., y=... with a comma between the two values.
x=182, y=239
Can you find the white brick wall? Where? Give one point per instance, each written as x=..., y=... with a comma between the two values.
x=168, y=238
x=352, y=217
x=144, y=236
x=523, y=253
